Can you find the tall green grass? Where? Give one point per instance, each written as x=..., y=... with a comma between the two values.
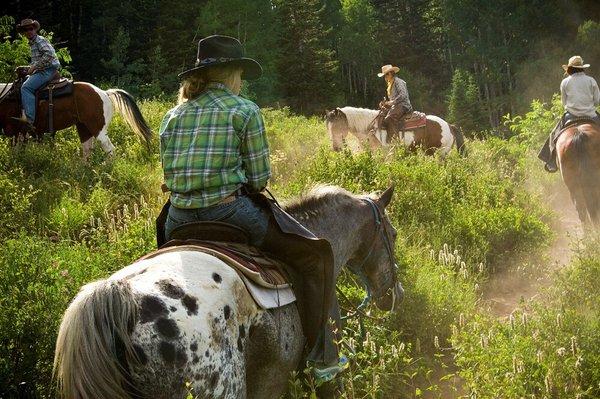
x=65, y=223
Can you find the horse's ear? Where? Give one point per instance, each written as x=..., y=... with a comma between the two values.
x=385, y=198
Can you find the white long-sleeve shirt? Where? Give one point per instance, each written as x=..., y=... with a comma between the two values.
x=580, y=94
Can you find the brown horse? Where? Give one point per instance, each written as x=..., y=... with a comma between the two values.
x=89, y=108
x=436, y=136
x=578, y=151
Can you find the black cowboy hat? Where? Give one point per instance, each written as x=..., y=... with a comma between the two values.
x=28, y=22
x=222, y=50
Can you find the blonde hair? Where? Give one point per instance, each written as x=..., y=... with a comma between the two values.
x=193, y=85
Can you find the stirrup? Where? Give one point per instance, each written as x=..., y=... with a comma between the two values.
x=326, y=374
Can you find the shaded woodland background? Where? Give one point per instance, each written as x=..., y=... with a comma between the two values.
x=471, y=60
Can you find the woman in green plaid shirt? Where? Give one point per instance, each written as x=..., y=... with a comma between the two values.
x=213, y=143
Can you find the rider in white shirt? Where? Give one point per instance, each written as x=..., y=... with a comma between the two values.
x=580, y=96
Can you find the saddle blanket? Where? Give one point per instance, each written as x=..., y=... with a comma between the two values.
x=415, y=120
x=262, y=276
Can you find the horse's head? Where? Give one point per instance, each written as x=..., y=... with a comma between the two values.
x=337, y=126
x=374, y=261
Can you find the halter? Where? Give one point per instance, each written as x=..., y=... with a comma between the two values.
x=380, y=228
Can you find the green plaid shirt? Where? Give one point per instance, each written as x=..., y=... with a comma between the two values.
x=212, y=145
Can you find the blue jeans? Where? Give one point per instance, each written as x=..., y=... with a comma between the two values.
x=31, y=84
x=241, y=212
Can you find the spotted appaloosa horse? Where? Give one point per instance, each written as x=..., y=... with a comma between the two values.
x=437, y=135
x=186, y=317
x=578, y=151
x=89, y=108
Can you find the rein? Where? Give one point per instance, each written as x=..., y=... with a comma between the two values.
x=358, y=269
x=371, y=126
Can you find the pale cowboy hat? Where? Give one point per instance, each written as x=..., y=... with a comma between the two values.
x=576, y=62
x=26, y=23
x=388, y=68
x=220, y=50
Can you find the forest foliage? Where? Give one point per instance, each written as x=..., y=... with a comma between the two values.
x=326, y=53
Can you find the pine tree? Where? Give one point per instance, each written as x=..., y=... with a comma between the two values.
x=464, y=108
x=306, y=65
x=359, y=53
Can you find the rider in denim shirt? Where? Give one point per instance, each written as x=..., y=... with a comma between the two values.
x=44, y=65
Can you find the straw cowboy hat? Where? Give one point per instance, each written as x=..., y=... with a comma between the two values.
x=26, y=23
x=388, y=68
x=576, y=62
x=224, y=50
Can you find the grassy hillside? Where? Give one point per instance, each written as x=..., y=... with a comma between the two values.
x=460, y=220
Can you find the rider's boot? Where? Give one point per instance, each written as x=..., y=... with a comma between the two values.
x=551, y=165
x=25, y=122
x=391, y=127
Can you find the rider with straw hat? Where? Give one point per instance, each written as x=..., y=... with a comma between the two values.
x=44, y=65
x=397, y=104
x=580, y=96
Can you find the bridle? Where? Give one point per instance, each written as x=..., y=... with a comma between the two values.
x=380, y=230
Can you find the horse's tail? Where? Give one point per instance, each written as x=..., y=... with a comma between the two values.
x=589, y=175
x=125, y=104
x=94, y=348
x=460, y=139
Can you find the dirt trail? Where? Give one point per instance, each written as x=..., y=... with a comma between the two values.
x=507, y=289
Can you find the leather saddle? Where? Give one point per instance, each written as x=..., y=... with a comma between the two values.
x=60, y=87
x=568, y=120
x=414, y=120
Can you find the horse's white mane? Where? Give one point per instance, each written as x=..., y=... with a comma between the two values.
x=3, y=86
x=359, y=118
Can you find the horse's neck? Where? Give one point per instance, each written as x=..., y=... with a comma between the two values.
x=359, y=119
x=339, y=230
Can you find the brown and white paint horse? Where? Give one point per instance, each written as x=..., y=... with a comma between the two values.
x=578, y=151
x=437, y=135
x=89, y=108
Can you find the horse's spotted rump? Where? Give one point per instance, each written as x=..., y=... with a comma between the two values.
x=190, y=303
x=167, y=328
x=217, y=277
x=194, y=346
x=214, y=379
x=167, y=352
x=151, y=308
x=170, y=289
x=172, y=355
